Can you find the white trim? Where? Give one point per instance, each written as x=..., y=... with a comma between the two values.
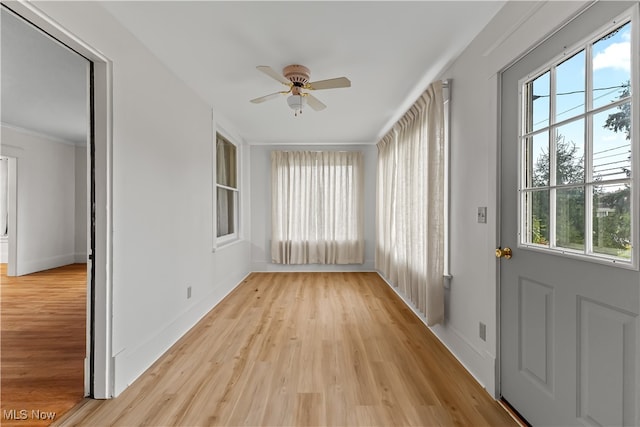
x=227, y=244
x=457, y=339
x=12, y=214
x=214, y=206
x=41, y=135
x=515, y=26
x=135, y=360
x=496, y=134
x=219, y=241
x=225, y=187
x=270, y=267
x=32, y=266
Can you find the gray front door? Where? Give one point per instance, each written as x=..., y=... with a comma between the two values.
x=569, y=301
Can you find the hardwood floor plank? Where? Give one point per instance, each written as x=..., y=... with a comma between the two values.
x=306, y=349
x=42, y=338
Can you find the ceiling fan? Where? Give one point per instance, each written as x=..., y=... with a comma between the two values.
x=296, y=78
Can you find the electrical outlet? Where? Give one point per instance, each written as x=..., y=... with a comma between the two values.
x=483, y=331
x=188, y=292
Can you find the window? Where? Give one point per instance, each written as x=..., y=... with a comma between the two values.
x=317, y=207
x=577, y=150
x=226, y=190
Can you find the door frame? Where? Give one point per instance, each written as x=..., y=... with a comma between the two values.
x=99, y=365
x=12, y=209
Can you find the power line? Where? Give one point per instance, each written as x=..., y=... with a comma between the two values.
x=577, y=106
x=602, y=168
x=534, y=97
x=614, y=155
x=611, y=149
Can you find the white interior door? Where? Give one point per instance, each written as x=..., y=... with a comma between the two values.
x=569, y=296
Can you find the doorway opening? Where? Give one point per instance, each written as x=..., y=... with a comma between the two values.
x=60, y=274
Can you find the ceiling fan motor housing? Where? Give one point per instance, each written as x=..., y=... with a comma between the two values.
x=298, y=75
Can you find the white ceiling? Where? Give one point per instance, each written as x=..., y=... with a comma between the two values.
x=43, y=85
x=390, y=51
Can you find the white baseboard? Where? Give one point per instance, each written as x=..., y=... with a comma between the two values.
x=480, y=364
x=130, y=363
x=263, y=266
x=32, y=266
x=4, y=250
x=80, y=257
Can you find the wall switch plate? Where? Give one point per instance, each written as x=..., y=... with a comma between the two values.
x=483, y=331
x=482, y=215
x=188, y=292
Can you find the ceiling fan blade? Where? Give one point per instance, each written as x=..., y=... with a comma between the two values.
x=329, y=84
x=267, y=97
x=314, y=102
x=273, y=74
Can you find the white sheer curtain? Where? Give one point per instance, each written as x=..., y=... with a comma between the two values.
x=317, y=207
x=410, y=204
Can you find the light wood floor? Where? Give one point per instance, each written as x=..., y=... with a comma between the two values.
x=42, y=327
x=304, y=349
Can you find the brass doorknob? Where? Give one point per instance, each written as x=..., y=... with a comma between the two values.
x=504, y=253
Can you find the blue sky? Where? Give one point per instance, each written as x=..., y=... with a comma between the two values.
x=611, y=64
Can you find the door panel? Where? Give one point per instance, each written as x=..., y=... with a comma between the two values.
x=535, y=302
x=606, y=335
x=568, y=327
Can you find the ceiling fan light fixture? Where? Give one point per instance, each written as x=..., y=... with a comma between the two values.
x=296, y=103
x=296, y=78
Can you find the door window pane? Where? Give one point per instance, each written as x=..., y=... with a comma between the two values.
x=611, y=60
x=570, y=153
x=612, y=145
x=537, y=226
x=570, y=87
x=537, y=108
x=570, y=218
x=538, y=160
x=612, y=220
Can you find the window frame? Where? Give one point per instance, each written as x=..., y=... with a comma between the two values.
x=632, y=16
x=219, y=241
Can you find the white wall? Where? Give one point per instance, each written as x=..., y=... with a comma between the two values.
x=474, y=145
x=162, y=197
x=261, y=207
x=46, y=198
